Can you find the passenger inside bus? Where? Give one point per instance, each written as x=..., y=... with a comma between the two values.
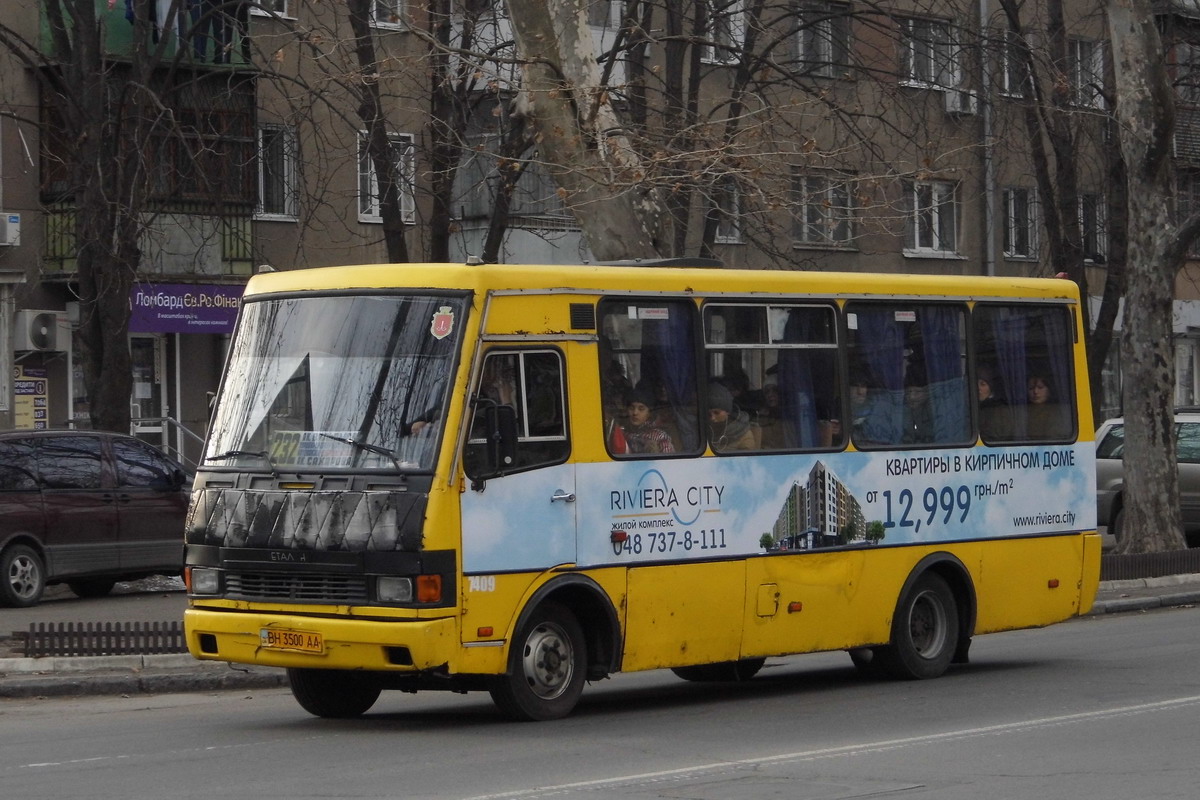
x=869, y=416
x=995, y=417
x=642, y=435
x=770, y=420
x=918, y=415
x=729, y=427
x=1045, y=417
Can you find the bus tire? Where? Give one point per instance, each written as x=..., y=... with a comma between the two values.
x=332, y=693
x=547, y=665
x=924, y=631
x=725, y=671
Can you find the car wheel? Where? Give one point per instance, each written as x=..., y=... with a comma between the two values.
x=546, y=667
x=96, y=587
x=24, y=577
x=924, y=631
x=1118, y=525
x=725, y=671
x=332, y=693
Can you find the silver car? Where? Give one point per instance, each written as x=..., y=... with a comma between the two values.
x=1110, y=474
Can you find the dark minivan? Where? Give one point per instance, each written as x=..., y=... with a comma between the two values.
x=86, y=508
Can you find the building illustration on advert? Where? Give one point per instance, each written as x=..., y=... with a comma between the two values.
x=819, y=513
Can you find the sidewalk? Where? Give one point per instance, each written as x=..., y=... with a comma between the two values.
x=47, y=677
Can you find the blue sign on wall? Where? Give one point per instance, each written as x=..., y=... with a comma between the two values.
x=183, y=308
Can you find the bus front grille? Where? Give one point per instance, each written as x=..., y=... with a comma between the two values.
x=298, y=587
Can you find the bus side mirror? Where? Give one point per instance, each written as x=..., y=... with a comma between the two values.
x=501, y=438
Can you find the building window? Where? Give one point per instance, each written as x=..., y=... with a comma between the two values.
x=534, y=201
x=599, y=13
x=724, y=26
x=277, y=171
x=368, y=182
x=728, y=202
x=1020, y=223
x=1093, y=228
x=929, y=54
x=270, y=7
x=1187, y=72
x=1087, y=73
x=823, y=40
x=1187, y=193
x=387, y=13
x=931, y=217
x=1014, y=65
x=824, y=211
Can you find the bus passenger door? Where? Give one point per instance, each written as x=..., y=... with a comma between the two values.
x=520, y=517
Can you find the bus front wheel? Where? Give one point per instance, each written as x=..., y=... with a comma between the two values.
x=924, y=631
x=546, y=667
x=332, y=693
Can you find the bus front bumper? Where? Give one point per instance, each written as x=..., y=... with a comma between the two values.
x=283, y=640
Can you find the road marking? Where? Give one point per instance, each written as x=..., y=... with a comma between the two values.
x=845, y=750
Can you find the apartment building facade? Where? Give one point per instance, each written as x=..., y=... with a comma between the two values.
x=908, y=137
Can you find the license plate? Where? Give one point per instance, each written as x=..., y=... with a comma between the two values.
x=304, y=641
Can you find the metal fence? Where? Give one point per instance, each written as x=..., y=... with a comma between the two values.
x=1149, y=565
x=101, y=638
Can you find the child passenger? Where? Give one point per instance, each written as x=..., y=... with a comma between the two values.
x=641, y=434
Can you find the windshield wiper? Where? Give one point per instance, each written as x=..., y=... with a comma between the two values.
x=370, y=448
x=263, y=454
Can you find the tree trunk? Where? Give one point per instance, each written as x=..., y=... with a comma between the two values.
x=579, y=136
x=379, y=145
x=1145, y=111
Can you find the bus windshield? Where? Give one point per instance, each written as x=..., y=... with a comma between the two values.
x=337, y=382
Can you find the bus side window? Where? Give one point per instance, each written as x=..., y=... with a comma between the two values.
x=1024, y=373
x=778, y=365
x=648, y=377
x=908, y=374
x=531, y=382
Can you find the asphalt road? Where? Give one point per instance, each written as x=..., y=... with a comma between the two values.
x=1100, y=707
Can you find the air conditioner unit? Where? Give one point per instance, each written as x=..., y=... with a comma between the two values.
x=44, y=331
x=10, y=229
x=961, y=102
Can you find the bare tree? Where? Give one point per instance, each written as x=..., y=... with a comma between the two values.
x=1145, y=112
x=380, y=148
x=101, y=114
x=579, y=134
x=1035, y=39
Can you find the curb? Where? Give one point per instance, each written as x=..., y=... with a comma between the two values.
x=1147, y=593
x=1144, y=603
x=127, y=675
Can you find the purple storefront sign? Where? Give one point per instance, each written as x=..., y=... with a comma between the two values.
x=183, y=308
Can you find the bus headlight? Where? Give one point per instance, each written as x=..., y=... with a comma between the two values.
x=389, y=589
x=203, y=581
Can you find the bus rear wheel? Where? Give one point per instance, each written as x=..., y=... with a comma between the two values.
x=924, y=631
x=332, y=693
x=725, y=671
x=546, y=667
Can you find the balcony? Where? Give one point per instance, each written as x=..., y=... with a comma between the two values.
x=210, y=33
x=183, y=241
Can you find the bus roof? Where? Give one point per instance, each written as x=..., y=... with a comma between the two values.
x=600, y=279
